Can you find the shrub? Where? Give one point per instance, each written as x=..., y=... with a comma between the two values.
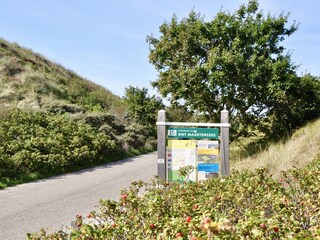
x=45, y=143
x=135, y=136
x=243, y=206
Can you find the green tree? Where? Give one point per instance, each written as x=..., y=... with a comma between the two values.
x=179, y=113
x=142, y=107
x=235, y=60
x=298, y=104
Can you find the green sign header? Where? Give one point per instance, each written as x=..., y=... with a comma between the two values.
x=196, y=133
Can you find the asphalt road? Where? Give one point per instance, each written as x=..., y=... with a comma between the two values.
x=54, y=203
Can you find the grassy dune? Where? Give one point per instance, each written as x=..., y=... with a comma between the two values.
x=302, y=148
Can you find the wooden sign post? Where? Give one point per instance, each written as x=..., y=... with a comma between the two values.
x=224, y=144
x=161, y=133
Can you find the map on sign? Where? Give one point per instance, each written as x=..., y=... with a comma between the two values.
x=194, y=133
x=181, y=153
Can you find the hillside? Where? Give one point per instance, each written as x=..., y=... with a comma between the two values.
x=30, y=81
x=52, y=121
x=302, y=148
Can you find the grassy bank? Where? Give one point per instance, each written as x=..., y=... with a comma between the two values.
x=296, y=152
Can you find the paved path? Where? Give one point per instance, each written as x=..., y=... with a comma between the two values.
x=54, y=202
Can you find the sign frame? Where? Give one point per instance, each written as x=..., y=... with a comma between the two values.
x=162, y=124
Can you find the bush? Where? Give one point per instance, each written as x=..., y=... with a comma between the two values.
x=135, y=136
x=47, y=144
x=243, y=206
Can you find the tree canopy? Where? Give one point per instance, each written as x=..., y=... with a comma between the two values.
x=235, y=60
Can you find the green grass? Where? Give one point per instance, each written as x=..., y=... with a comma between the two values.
x=9, y=182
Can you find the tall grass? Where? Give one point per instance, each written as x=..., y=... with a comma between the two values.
x=302, y=148
x=32, y=77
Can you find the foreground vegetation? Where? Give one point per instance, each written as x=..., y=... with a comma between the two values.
x=246, y=205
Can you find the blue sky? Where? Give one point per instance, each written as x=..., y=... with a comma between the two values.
x=104, y=40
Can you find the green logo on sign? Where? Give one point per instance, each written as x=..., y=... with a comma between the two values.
x=196, y=133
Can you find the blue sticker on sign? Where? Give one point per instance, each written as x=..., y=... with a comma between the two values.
x=213, y=167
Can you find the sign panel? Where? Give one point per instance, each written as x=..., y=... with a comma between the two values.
x=195, y=133
x=202, y=155
x=208, y=166
x=181, y=153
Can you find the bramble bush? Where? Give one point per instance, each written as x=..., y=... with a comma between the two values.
x=243, y=206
